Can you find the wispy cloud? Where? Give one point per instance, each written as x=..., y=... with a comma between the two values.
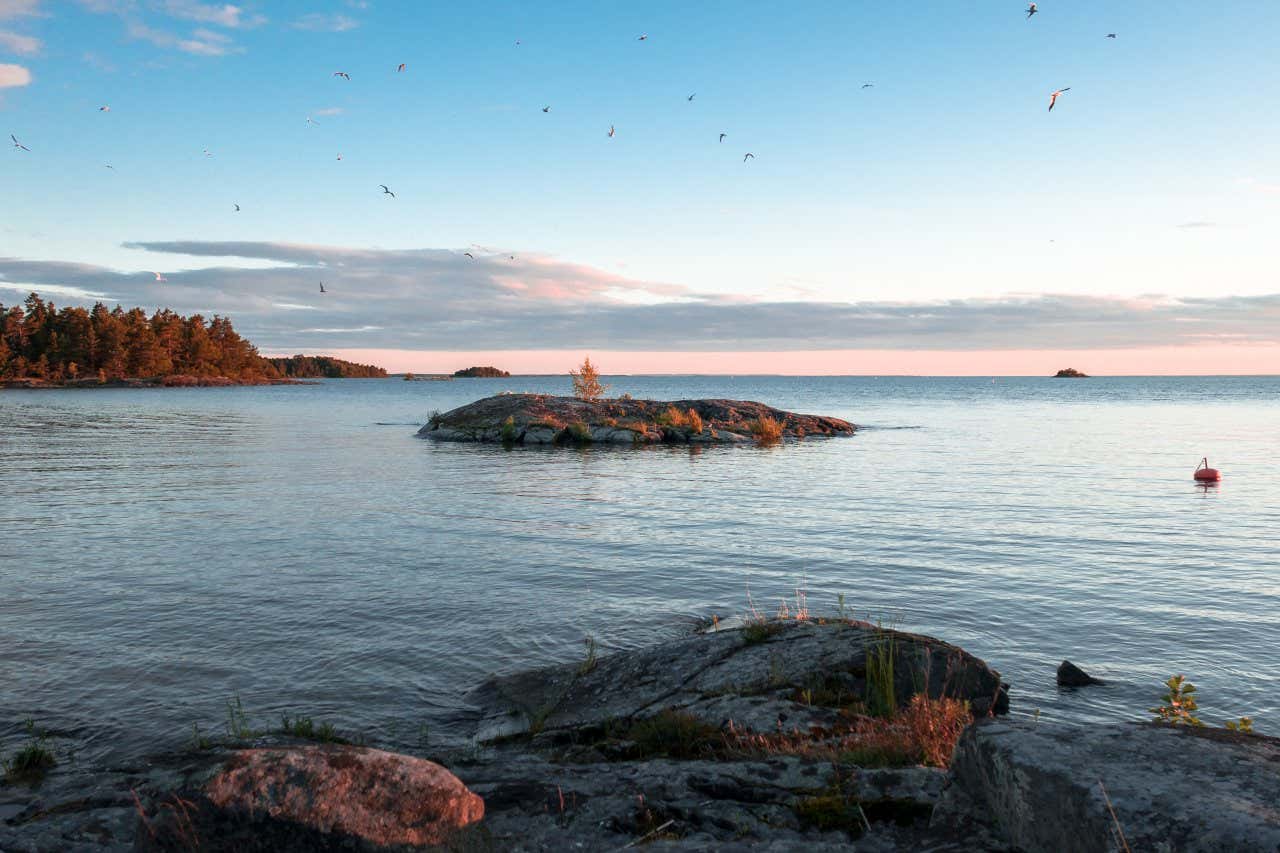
x=327, y=23
x=329, y=111
x=19, y=44
x=1197, y=223
x=18, y=9
x=201, y=43
x=14, y=76
x=223, y=15
x=441, y=299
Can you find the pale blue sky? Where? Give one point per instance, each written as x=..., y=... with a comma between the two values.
x=1158, y=172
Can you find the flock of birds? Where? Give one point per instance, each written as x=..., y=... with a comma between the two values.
x=1032, y=10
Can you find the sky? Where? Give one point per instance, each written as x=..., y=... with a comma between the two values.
x=939, y=221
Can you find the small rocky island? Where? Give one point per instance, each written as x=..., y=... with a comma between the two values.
x=549, y=420
x=481, y=373
x=1070, y=373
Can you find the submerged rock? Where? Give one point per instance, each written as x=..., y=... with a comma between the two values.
x=1041, y=786
x=544, y=419
x=1070, y=675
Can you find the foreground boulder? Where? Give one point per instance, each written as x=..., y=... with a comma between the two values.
x=1041, y=785
x=1070, y=675
x=314, y=798
x=544, y=419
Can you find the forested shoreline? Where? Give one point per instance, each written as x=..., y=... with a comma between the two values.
x=41, y=344
x=324, y=367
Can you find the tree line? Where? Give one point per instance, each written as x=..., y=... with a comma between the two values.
x=324, y=367
x=38, y=340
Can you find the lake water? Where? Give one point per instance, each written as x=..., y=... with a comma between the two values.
x=163, y=550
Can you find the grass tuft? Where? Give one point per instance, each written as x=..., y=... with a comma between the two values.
x=675, y=734
x=32, y=761
x=765, y=429
x=307, y=729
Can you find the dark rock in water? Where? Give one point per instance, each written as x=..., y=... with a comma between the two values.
x=544, y=419
x=1070, y=675
x=1041, y=786
x=1070, y=373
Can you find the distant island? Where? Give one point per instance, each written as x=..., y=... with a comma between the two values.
x=324, y=367
x=1070, y=373
x=43, y=346
x=481, y=373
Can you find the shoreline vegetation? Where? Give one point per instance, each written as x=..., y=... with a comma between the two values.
x=42, y=346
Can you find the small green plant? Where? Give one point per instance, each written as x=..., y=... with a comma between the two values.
x=238, y=727
x=882, y=699
x=307, y=729
x=1244, y=724
x=589, y=662
x=579, y=432
x=759, y=630
x=1179, y=704
x=32, y=761
x=436, y=417
x=198, y=740
x=675, y=734
x=831, y=811
x=509, y=431
x=841, y=613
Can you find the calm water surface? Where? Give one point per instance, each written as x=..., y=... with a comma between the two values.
x=162, y=550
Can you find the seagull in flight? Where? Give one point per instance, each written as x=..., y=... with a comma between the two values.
x=159, y=277
x=690, y=98
x=322, y=290
x=109, y=166
x=237, y=208
x=344, y=75
x=1031, y=10
x=401, y=68
x=1111, y=35
x=547, y=108
x=17, y=144
x=104, y=109
x=386, y=191
x=868, y=85
x=722, y=136
x=469, y=255
x=748, y=156
x=1053, y=99
x=208, y=153
x=611, y=131
x=644, y=37
x=339, y=155
x=312, y=122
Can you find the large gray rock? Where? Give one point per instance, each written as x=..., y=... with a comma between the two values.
x=1173, y=789
x=755, y=677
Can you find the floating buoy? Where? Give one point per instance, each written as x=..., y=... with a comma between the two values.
x=1205, y=474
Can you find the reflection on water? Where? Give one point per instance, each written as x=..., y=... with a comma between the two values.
x=161, y=550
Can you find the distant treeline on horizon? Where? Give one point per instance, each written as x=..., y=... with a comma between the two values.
x=40, y=341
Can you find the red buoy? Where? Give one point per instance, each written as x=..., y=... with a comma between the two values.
x=1205, y=474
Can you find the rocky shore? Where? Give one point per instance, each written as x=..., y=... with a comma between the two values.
x=778, y=735
x=546, y=420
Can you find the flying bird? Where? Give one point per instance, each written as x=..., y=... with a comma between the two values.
x=401, y=68
x=868, y=85
x=469, y=255
x=344, y=75
x=748, y=156
x=690, y=98
x=643, y=37
x=208, y=153
x=386, y=191
x=104, y=109
x=339, y=155
x=517, y=42
x=159, y=277
x=1111, y=35
x=547, y=109
x=1053, y=99
x=722, y=136
x=109, y=166
x=17, y=144
x=611, y=131
x=312, y=121
x=237, y=208
x=322, y=290
x=1031, y=10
